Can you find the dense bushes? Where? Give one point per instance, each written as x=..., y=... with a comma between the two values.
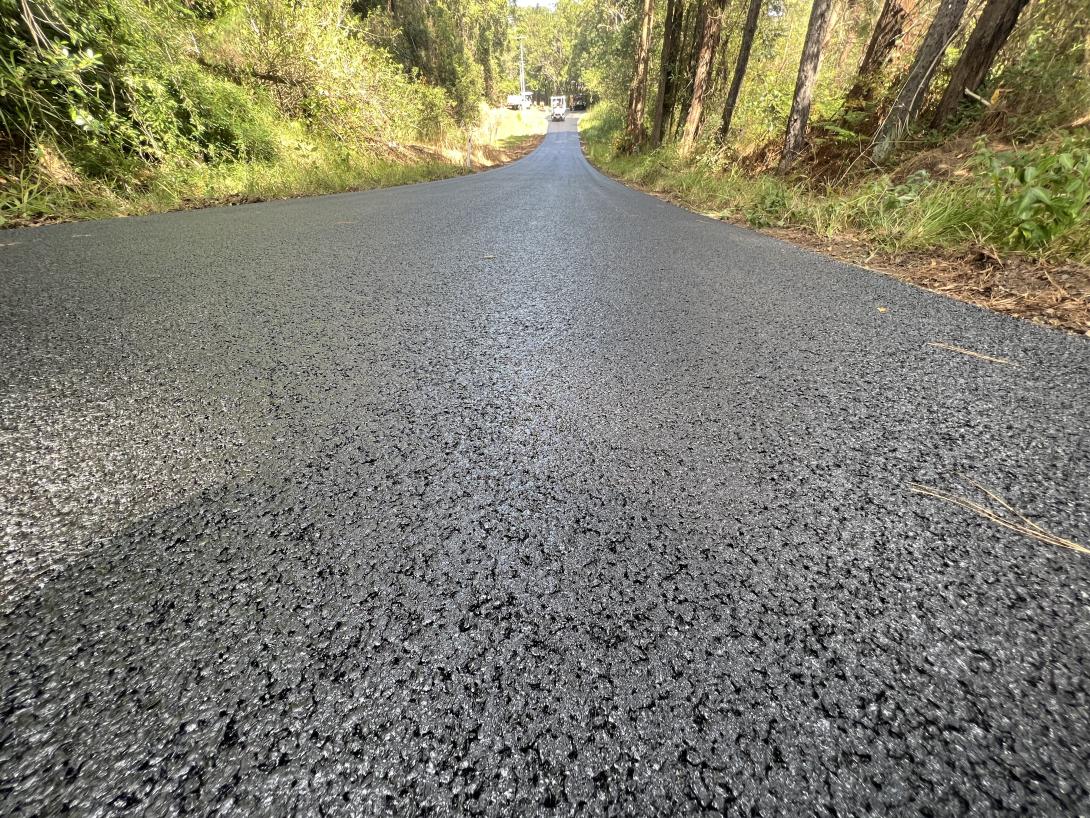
x=109, y=82
x=1042, y=196
x=107, y=98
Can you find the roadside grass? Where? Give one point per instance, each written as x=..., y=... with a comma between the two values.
x=120, y=107
x=29, y=200
x=302, y=164
x=1005, y=228
x=1033, y=202
x=503, y=127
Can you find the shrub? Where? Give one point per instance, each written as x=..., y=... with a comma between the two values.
x=1038, y=195
x=135, y=95
x=768, y=204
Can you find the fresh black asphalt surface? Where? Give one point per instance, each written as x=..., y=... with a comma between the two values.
x=524, y=493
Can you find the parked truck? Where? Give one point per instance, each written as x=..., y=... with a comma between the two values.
x=520, y=101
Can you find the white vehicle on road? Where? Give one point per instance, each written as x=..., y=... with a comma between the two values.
x=517, y=101
x=559, y=106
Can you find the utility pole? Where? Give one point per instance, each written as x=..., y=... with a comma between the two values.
x=522, y=69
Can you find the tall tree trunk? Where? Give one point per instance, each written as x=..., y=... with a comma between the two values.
x=887, y=31
x=820, y=14
x=753, y=15
x=992, y=30
x=908, y=102
x=685, y=13
x=637, y=95
x=664, y=98
x=709, y=39
x=691, y=57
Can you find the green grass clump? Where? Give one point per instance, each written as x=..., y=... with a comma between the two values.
x=304, y=169
x=1041, y=197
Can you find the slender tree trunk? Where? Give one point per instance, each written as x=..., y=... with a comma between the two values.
x=908, y=102
x=692, y=57
x=992, y=30
x=887, y=31
x=700, y=20
x=709, y=39
x=637, y=96
x=680, y=63
x=684, y=14
x=753, y=15
x=664, y=98
x=820, y=14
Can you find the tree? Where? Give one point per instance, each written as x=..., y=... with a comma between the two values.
x=637, y=94
x=595, y=43
x=547, y=55
x=709, y=38
x=744, y=49
x=688, y=57
x=908, y=102
x=664, y=97
x=887, y=32
x=820, y=14
x=457, y=46
x=992, y=30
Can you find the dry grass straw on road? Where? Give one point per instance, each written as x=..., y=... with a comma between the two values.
x=964, y=351
x=1008, y=517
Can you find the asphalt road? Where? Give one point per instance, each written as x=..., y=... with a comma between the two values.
x=525, y=493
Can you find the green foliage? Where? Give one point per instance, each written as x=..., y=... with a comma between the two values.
x=1041, y=194
x=103, y=81
x=603, y=122
x=304, y=168
x=1039, y=81
x=918, y=213
x=768, y=204
x=457, y=45
x=1032, y=200
x=1042, y=78
x=101, y=99
x=23, y=197
x=909, y=192
x=315, y=63
x=581, y=46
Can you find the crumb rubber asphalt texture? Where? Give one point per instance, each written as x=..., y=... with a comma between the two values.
x=524, y=493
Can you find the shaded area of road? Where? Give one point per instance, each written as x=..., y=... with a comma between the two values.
x=525, y=493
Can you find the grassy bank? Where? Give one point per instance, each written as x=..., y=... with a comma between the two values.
x=303, y=164
x=118, y=107
x=1005, y=227
x=60, y=195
